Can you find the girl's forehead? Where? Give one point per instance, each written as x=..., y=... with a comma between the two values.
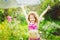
x=31, y=15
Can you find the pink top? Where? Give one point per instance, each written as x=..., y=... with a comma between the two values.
x=32, y=26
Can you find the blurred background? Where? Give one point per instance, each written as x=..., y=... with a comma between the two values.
x=13, y=25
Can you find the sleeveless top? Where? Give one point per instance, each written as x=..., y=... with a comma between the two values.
x=32, y=26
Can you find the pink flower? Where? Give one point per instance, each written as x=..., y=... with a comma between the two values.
x=9, y=18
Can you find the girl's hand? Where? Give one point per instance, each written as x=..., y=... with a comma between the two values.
x=22, y=6
x=48, y=7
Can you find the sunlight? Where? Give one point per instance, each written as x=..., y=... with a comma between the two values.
x=28, y=2
x=17, y=3
x=25, y=19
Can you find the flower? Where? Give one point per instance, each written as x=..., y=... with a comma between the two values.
x=9, y=18
x=1, y=27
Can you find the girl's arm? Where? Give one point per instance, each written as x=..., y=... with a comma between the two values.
x=44, y=12
x=24, y=11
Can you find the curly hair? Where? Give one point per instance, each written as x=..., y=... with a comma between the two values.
x=34, y=14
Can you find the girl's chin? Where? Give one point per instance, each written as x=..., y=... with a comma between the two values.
x=32, y=21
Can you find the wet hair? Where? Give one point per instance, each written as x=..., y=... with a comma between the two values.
x=35, y=16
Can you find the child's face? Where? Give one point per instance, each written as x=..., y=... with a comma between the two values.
x=32, y=18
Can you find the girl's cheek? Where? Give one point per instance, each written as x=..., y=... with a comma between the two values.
x=34, y=19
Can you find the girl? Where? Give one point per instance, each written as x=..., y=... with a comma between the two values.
x=33, y=22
